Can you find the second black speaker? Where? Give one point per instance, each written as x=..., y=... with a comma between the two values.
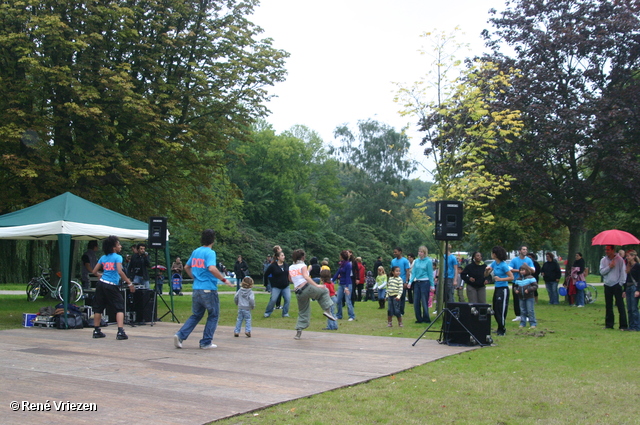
x=448, y=220
x=157, y=232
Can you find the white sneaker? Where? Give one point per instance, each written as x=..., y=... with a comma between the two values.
x=207, y=347
x=177, y=342
x=350, y=319
x=517, y=319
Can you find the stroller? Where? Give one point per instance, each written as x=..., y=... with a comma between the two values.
x=176, y=284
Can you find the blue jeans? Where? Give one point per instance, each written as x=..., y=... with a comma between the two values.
x=552, y=290
x=246, y=316
x=393, y=307
x=382, y=293
x=421, y=289
x=139, y=280
x=332, y=324
x=632, y=308
x=202, y=301
x=341, y=296
x=579, y=297
x=526, y=310
x=448, y=292
x=275, y=293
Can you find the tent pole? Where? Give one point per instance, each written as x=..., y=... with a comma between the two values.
x=168, y=262
x=64, y=246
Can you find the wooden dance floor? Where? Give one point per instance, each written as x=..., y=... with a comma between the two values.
x=146, y=380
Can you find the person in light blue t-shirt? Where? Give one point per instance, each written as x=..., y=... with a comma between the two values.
x=403, y=264
x=109, y=271
x=501, y=276
x=450, y=276
x=521, y=259
x=202, y=268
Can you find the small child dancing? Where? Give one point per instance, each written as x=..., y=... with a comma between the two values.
x=325, y=279
x=246, y=302
x=394, y=294
x=525, y=291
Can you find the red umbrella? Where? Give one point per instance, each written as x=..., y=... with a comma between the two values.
x=614, y=237
x=159, y=267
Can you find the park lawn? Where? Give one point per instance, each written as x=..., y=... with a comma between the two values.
x=568, y=371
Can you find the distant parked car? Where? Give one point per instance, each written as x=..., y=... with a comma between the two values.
x=489, y=263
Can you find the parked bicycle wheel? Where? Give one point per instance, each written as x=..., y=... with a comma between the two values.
x=33, y=290
x=75, y=292
x=590, y=294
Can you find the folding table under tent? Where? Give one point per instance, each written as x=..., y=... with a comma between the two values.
x=66, y=217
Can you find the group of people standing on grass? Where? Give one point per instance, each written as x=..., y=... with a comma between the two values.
x=621, y=274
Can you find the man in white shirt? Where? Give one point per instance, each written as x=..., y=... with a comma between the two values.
x=612, y=269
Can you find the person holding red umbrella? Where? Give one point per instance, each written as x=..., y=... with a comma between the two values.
x=612, y=269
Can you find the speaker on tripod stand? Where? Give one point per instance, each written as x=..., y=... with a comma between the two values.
x=158, y=240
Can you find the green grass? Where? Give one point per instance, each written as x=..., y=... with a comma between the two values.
x=569, y=372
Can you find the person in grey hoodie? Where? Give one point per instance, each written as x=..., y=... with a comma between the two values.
x=246, y=302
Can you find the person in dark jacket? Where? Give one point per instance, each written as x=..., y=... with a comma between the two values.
x=139, y=266
x=241, y=270
x=355, y=276
x=279, y=272
x=536, y=271
x=473, y=276
x=314, y=270
x=551, y=275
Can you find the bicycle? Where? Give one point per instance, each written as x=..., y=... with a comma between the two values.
x=590, y=294
x=42, y=284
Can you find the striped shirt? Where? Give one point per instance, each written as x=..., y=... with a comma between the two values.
x=394, y=287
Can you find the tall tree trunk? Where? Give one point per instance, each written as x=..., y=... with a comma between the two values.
x=575, y=236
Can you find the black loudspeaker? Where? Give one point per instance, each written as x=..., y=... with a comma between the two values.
x=157, y=232
x=448, y=220
x=144, y=306
x=476, y=318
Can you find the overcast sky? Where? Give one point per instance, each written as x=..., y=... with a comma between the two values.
x=346, y=56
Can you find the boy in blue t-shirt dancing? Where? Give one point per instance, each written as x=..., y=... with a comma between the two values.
x=202, y=268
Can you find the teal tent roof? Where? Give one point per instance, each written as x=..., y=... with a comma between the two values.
x=68, y=214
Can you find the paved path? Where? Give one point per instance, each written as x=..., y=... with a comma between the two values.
x=145, y=380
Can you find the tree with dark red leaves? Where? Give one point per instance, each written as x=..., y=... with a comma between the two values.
x=579, y=95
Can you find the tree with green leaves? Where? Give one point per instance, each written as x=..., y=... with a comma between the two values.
x=453, y=106
x=375, y=163
x=461, y=126
x=127, y=103
x=274, y=174
x=578, y=94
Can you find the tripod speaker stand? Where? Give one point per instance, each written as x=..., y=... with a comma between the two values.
x=155, y=303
